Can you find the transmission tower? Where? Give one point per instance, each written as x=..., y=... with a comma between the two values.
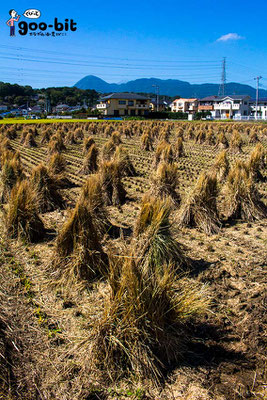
x=223, y=78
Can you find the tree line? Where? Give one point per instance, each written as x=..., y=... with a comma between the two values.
x=11, y=94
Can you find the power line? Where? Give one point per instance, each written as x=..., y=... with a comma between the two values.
x=246, y=66
x=83, y=56
x=103, y=65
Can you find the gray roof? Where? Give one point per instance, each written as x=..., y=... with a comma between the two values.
x=232, y=96
x=237, y=96
x=124, y=96
x=212, y=98
x=160, y=102
x=260, y=100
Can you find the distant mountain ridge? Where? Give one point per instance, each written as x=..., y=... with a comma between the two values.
x=167, y=87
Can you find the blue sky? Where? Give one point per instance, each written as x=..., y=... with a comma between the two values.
x=122, y=40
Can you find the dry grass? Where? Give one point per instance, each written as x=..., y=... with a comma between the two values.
x=141, y=332
x=21, y=219
x=57, y=164
x=200, y=136
x=57, y=168
x=56, y=144
x=165, y=183
x=221, y=166
x=211, y=138
x=122, y=157
x=30, y=141
x=90, y=161
x=46, y=187
x=236, y=142
x=155, y=242
x=113, y=189
x=253, y=137
x=79, y=257
x=256, y=162
x=116, y=138
x=178, y=149
x=87, y=143
x=70, y=138
x=222, y=142
x=78, y=134
x=24, y=133
x=92, y=196
x=11, y=133
x=45, y=136
x=108, y=150
x=164, y=152
x=11, y=173
x=6, y=145
x=200, y=208
x=243, y=198
x=8, y=155
x=146, y=142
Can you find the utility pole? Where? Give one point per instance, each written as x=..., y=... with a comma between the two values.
x=257, y=79
x=47, y=104
x=157, y=92
x=221, y=91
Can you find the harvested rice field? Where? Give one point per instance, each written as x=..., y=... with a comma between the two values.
x=133, y=260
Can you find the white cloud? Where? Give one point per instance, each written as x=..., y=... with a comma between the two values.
x=229, y=36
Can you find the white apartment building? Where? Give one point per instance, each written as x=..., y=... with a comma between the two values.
x=184, y=105
x=226, y=107
x=261, y=108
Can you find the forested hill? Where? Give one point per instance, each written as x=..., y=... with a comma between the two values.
x=16, y=94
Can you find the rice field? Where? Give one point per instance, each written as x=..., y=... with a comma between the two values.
x=133, y=260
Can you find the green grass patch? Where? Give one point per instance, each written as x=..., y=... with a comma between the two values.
x=44, y=121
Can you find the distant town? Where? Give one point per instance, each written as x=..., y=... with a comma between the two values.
x=19, y=101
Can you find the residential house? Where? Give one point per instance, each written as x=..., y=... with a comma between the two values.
x=261, y=108
x=207, y=104
x=188, y=106
x=36, y=109
x=61, y=108
x=123, y=104
x=3, y=107
x=160, y=105
x=226, y=107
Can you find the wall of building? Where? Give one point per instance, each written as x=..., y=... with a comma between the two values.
x=123, y=107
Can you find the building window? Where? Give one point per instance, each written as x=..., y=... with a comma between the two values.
x=122, y=101
x=245, y=102
x=130, y=103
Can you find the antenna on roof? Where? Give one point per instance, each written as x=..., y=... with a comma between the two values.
x=221, y=91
